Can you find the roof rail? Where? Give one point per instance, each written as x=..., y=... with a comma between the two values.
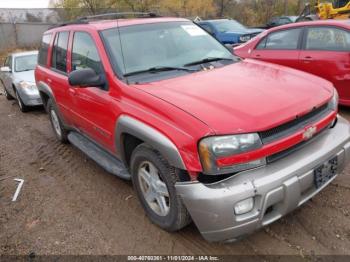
x=69, y=23
x=108, y=16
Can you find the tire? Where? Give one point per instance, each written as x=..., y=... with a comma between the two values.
x=21, y=105
x=174, y=215
x=6, y=94
x=56, y=123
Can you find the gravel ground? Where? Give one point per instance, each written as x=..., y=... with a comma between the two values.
x=69, y=205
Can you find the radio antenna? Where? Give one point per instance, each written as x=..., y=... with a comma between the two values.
x=121, y=48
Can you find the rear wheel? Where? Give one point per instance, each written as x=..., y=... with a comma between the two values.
x=58, y=128
x=21, y=105
x=154, y=181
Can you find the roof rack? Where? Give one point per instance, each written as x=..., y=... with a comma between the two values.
x=107, y=16
x=117, y=16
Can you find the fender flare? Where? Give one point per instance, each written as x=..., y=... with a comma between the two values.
x=44, y=88
x=151, y=136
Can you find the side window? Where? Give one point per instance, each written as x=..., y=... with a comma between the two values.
x=262, y=44
x=327, y=38
x=282, y=40
x=43, y=50
x=84, y=53
x=59, y=52
x=10, y=62
x=207, y=28
x=7, y=61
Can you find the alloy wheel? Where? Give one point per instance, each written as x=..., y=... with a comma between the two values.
x=153, y=189
x=56, y=123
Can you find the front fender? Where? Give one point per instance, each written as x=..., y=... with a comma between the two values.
x=151, y=136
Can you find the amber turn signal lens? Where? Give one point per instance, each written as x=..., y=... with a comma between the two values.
x=205, y=156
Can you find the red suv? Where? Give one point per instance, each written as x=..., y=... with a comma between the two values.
x=232, y=145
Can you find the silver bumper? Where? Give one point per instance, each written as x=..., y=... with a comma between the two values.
x=277, y=188
x=30, y=98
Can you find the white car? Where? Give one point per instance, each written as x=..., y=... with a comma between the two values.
x=17, y=78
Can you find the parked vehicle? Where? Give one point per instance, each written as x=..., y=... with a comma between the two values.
x=332, y=9
x=281, y=20
x=233, y=145
x=17, y=79
x=229, y=31
x=321, y=48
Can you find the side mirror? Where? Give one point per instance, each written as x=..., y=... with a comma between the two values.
x=5, y=69
x=85, y=77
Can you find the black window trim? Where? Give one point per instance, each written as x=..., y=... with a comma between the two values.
x=106, y=87
x=52, y=49
x=300, y=40
x=303, y=44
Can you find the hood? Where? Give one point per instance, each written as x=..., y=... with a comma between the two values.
x=247, y=96
x=27, y=76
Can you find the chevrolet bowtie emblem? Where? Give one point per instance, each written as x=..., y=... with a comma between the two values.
x=309, y=132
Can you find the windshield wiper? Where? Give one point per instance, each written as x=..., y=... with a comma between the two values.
x=160, y=69
x=207, y=60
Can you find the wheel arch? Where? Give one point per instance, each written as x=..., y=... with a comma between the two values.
x=128, y=127
x=45, y=93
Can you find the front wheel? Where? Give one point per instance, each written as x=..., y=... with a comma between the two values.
x=154, y=181
x=21, y=105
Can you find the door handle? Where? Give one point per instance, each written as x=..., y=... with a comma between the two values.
x=307, y=58
x=49, y=80
x=72, y=91
x=257, y=55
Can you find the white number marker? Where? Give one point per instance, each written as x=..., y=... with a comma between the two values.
x=19, y=187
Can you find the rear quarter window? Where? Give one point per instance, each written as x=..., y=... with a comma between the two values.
x=44, y=49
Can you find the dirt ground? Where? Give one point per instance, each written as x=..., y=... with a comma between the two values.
x=69, y=205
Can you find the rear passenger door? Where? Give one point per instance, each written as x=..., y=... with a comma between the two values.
x=58, y=79
x=91, y=111
x=326, y=53
x=280, y=47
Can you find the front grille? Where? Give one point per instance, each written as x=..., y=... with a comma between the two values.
x=294, y=125
x=284, y=153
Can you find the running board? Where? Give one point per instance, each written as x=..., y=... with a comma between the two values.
x=99, y=155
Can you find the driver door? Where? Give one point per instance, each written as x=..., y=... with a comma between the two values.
x=91, y=109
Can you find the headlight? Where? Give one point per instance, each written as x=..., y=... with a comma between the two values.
x=213, y=148
x=27, y=85
x=244, y=38
x=333, y=104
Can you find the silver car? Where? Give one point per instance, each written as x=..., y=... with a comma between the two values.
x=17, y=78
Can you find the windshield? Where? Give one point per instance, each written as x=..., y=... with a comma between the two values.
x=228, y=25
x=25, y=63
x=171, y=44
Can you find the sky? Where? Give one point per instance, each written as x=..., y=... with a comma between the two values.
x=24, y=3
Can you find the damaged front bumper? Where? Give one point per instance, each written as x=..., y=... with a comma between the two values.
x=277, y=189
